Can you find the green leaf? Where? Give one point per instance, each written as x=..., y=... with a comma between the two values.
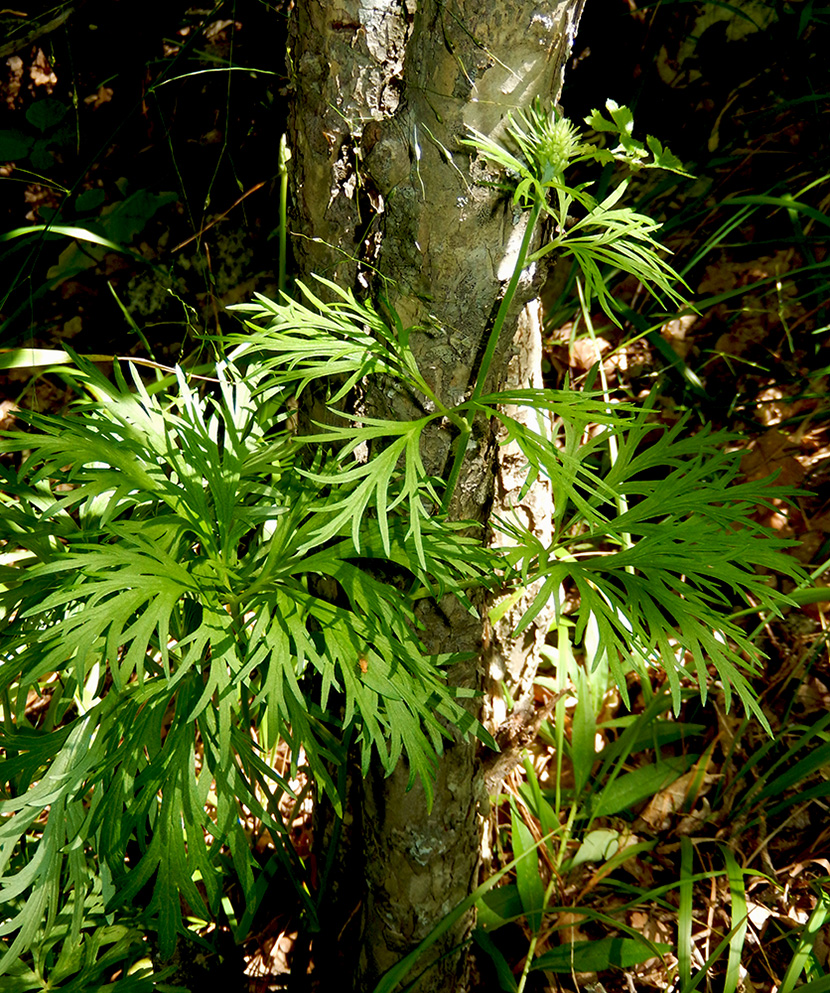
x=659, y=579
x=70, y=231
x=340, y=342
x=632, y=788
x=583, y=732
x=805, y=946
x=41, y=155
x=621, y=123
x=529, y=882
x=507, y=980
x=14, y=145
x=600, y=955
x=685, y=914
x=46, y=113
x=662, y=158
x=499, y=906
x=597, y=846
x=739, y=919
x=90, y=199
x=183, y=572
x=629, y=150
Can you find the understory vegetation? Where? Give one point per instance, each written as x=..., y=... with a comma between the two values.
x=207, y=604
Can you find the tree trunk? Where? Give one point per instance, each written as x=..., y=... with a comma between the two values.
x=384, y=90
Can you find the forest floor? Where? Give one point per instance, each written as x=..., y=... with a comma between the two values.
x=730, y=858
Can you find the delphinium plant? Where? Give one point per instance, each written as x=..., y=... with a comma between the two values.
x=188, y=580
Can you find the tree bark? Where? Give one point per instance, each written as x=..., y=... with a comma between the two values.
x=384, y=91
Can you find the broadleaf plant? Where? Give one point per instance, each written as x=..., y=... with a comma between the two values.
x=189, y=580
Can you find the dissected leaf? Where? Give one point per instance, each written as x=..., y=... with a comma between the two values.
x=629, y=149
x=172, y=545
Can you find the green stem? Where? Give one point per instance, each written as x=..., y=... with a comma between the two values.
x=284, y=156
x=531, y=952
x=455, y=472
x=613, y=448
x=489, y=352
x=506, y=301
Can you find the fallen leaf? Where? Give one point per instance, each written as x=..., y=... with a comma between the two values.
x=96, y=100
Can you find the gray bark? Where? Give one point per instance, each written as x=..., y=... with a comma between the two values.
x=384, y=90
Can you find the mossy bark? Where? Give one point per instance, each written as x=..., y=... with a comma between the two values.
x=384, y=91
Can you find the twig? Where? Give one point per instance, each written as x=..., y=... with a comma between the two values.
x=219, y=217
x=516, y=732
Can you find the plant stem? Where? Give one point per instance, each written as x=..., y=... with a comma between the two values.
x=490, y=350
x=506, y=301
x=531, y=951
x=613, y=448
x=284, y=156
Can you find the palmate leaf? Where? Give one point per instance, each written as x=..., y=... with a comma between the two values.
x=603, y=234
x=556, y=448
x=455, y=561
x=86, y=966
x=697, y=472
x=105, y=796
x=637, y=258
x=137, y=781
x=392, y=476
x=629, y=150
x=341, y=341
x=172, y=554
x=656, y=616
x=614, y=236
x=41, y=878
x=367, y=657
x=661, y=576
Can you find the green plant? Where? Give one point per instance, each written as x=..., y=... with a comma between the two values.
x=586, y=836
x=48, y=128
x=167, y=546
x=546, y=146
x=590, y=830
x=190, y=580
x=85, y=965
x=594, y=232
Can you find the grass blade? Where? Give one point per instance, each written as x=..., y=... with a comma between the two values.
x=398, y=973
x=737, y=891
x=684, y=913
x=804, y=950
